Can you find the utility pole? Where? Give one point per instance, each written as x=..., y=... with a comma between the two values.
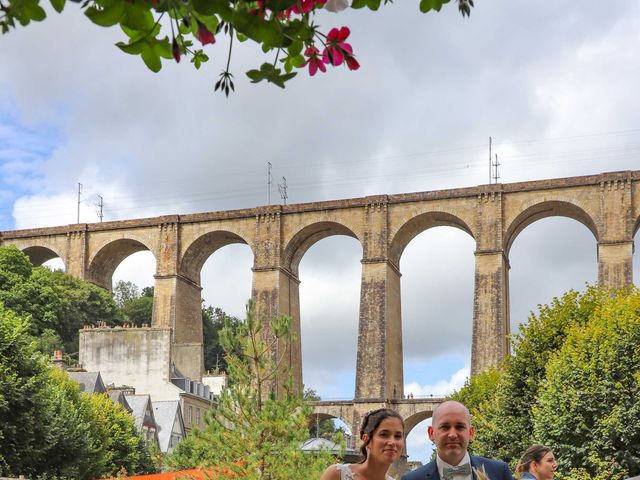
x=496, y=174
x=282, y=188
x=490, y=171
x=268, y=183
x=79, y=195
x=100, y=205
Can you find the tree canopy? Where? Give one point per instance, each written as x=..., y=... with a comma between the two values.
x=571, y=383
x=285, y=29
x=48, y=429
x=57, y=304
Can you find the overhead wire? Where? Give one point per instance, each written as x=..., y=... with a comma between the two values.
x=452, y=161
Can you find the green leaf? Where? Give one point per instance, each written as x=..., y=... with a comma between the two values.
x=163, y=47
x=256, y=75
x=370, y=4
x=37, y=13
x=135, y=35
x=280, y=5
x=137, y=17
x=199, y=58
x=264, y=32
x=271, y=74
x=295, y=48
x=297, y=61
x=211, y=7
x=29, y=10
x=58, y=5
x=299, y=30
x=427, y=5
x=151, y=59
x=133, y=48
x=108, y=16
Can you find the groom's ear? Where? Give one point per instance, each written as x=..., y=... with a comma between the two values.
x=430, y=432
x=472, y=433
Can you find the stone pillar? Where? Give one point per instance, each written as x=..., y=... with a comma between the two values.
x=379, y=360
x=379, y=372
x=615, y=245
x=490, y=338
x=490, y=342
x=177, y=303
x=76, y=254
x=615, y=264
x=275, y=289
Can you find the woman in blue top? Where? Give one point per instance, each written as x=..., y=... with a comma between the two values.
x=537, y=463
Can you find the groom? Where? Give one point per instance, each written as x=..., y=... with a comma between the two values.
x=451, y=431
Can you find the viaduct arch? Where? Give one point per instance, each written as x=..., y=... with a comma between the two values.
x=279, y=235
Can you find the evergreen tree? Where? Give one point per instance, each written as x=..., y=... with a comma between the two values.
x=253, y=433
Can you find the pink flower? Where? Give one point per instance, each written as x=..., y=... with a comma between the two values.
x=259, y=10
x=336, y=48
x=314, y=61
x=204, y=35
x=352, y=63
x=305, y=6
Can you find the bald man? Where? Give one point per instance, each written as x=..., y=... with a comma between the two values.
x=451, y=431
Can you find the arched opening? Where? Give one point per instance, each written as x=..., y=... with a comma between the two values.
x=548, y=258
x=226, y=279
x=104, y=264
x=539, y=211
x=329, y=293
x=418, y=446
x=437, y=311
x=55, y=264
x=323, y=425
x=133, y=287
x=220, y=263
x=44, y=256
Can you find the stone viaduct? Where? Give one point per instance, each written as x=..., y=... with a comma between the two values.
x=607, y=204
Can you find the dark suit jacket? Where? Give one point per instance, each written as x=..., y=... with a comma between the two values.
x=496, y=470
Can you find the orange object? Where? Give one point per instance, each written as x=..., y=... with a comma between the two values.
x=194, y=474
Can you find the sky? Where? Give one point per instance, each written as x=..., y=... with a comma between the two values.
x=553, y=83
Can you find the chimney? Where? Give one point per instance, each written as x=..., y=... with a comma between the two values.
x=58, y=360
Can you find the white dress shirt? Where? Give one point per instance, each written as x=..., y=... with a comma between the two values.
x=441, y=464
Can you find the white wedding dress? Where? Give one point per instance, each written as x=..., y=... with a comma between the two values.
x=347, y=474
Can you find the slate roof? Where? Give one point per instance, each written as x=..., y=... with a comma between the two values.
x=165, y=413
x=90, y=382
x=118, y=396
x=138, y=404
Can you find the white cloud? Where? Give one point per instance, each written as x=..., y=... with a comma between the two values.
x=441, y=387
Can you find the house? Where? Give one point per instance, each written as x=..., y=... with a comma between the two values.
x=142, y=357
x=142, y=411
x=170, y=424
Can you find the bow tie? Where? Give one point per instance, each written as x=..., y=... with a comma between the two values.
x=449, y=472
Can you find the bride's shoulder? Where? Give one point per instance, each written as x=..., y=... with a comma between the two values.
x=337, y=471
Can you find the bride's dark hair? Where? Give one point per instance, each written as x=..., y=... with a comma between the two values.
x=370, y=424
